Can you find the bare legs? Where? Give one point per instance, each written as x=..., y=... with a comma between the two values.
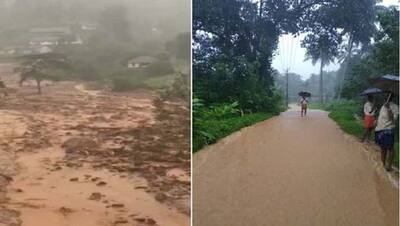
x=367, y=134
x=303, y=112
x=387, y=154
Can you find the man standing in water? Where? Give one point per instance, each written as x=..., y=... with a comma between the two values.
x=385, y=130
x=303, y=103
x=369, y=117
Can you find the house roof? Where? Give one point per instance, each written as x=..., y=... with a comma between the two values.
x=65, y=30
x=143, y=60
x=45, y=39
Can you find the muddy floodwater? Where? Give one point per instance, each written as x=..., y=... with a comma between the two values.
x=76, y=155
x=291, y=170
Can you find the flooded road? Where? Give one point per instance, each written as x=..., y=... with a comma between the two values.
x=292, y=171
x=76, y=156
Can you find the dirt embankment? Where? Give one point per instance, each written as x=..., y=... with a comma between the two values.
x=93, y=157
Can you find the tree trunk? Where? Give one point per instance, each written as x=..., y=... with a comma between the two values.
x=38, y=86
x=287, y=88
x=345, y=65
x=321, y=88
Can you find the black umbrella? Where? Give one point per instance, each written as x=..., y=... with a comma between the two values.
x=388, y=83
x=371, y=91
x=304, y=94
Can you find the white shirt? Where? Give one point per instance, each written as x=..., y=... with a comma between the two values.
x=383, y=119
x=368, y=108
x=304, y=101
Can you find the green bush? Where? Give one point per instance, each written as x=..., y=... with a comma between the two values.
x=344, y=114
x=209, y=131
x=160, y=68
x=180, y=88
x=86, y=71
x=222, y=111
x=126, y=80
x=215, y=122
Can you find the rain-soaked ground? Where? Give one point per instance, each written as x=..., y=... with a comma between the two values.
x=291, y=170
x=76, y=156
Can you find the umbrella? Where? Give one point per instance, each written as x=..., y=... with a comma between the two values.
x=304, y=94
x=370, y=91
x=388, y=83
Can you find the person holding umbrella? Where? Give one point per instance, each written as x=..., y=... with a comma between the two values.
x=369, y=117
x=388, y=114
x=385, y=130
x=304, y=102
x=369, y=111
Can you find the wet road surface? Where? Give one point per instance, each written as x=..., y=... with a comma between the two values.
x=291, y=171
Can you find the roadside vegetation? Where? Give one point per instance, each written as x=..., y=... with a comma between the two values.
x=349, y=116
x=218, y=121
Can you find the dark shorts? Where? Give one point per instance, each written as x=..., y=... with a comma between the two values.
x=385, y=138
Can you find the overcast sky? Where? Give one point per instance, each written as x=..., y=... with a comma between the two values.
x=290, y=53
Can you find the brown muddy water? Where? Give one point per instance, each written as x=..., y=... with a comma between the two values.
x=46, y=196
x=75, y=156
x=291, y=170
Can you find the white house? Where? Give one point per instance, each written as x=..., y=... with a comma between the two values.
x=141, y=61
x=44, y=49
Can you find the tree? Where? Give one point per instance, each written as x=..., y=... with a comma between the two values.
x=180, y=47
x=380, y=58
x=39, y=67
x=356, y=19
x=386, y=49
x=351, y=21
x=322, y=46
x=246, y=33
x=234, y=42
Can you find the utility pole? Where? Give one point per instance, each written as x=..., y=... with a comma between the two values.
x=321, y=83
x=287, y=87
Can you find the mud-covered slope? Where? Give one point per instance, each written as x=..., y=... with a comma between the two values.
x=95, y=157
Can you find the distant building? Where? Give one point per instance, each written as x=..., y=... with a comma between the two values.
x=78, y=41
x=44, y=49
x=89, y=26
x=48, y=36
x=141, y=61
x=45, y=40
x=51, y=30
x=25, y=50
x=9, y=50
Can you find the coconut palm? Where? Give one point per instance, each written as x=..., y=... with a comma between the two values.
x=322, y=47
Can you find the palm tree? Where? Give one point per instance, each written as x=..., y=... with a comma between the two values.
x=321, y=47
